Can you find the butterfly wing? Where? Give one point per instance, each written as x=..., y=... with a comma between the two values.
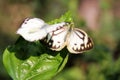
x=32, y=29
x=55, y=27
x=78, y=41
x=56, y=39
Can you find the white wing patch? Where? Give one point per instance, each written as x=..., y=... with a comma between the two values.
x=31, y=29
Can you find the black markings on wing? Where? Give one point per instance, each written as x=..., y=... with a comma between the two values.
x=45, y=41
x=58, y=28
x=77, y=32
x=25, y=21
x=84, y=46
x=49, y=39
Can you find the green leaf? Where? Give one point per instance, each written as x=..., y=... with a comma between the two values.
x=67, y=17
x=33, y=61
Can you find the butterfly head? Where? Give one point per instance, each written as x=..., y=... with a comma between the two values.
x=70, y=26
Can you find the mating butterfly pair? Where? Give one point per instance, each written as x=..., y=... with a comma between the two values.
x=56, y=36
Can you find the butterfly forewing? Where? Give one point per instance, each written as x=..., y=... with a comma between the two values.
x=56, y=40
x=78, y=41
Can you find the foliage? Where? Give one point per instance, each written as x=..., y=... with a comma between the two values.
x=67, y=17
x=32, y=61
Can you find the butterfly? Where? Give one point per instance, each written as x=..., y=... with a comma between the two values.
x=34, y=29
x=75, y=39
x=56, y=36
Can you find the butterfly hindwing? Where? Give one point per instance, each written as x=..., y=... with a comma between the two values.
x=78, y=41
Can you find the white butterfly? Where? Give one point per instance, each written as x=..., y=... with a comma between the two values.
x=56, y=36
x=76, y=40
x=33, y=29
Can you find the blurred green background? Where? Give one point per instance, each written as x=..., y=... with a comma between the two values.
x=99, y=18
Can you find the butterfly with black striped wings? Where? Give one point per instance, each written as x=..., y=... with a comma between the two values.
x=75, y=39
x=56, y=36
